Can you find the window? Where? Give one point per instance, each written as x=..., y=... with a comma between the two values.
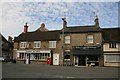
x=23, y=44
x=37, y=44
x=90, y=39
x=112, y=45
x=40, y=56
x=112, y=58
x=52, y=44
x=67, y=39
x=67, y=55
x=34, y=56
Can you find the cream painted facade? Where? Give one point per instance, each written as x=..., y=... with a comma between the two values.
x=111, y=55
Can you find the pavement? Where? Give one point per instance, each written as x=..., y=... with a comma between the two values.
x=11, y=70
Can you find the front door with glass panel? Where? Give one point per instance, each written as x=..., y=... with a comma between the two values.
x=76, y=60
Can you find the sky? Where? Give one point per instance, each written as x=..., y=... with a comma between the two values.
x=16, y=13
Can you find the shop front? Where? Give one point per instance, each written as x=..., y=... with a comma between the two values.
x=86, y=56
x=33, y=55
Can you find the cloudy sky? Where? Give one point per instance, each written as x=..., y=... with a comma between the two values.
x=15, y=14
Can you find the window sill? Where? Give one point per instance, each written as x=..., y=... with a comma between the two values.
x=66, y=59
x=112, y=62
x=66, y=43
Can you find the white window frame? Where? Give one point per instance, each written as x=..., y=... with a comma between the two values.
x=37, y=44
x=113, y=45
x=112, y=58
x=90, y=38
x=52, y=44
x=23, y=44
x=67, y=39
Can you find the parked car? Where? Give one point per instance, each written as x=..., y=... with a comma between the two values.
x=6, y=59
x=1, y=59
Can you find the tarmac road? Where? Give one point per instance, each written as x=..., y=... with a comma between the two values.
x=10, y=70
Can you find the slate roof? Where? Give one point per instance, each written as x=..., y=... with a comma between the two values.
x=39, y=36
x=111, y=34
x=82, y=29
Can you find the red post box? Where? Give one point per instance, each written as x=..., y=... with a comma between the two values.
x=48, y=60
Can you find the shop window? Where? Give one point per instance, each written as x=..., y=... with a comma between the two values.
x=67, y=39
x=112, y=58
x=21, y=56
x=23, y=44
x=52, y=44
x=37, y=44
x=112, y=45
x=35, y=56
x=90, y=39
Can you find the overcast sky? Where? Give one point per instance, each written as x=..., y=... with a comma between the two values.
x=15, y=14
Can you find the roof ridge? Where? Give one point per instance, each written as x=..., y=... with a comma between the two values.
x=80, y=26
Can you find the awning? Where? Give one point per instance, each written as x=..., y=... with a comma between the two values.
x=86, y=51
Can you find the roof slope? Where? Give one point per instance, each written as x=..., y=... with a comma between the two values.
x=111, y=34
x=39, y=36
x=82, y=29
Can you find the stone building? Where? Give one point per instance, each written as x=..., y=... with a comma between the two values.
x=37, y=45
x=76, y=45
x=83, y=45
x=6, y=46
x=111, y=46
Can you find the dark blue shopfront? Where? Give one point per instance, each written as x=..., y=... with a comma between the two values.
x=86, y=55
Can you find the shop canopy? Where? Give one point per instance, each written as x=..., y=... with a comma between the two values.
x=86, y=52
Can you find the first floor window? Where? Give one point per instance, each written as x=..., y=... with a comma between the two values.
x=37, y=44
x=67, y=39
x=90, y=39
x=52, y=44
x=112, y=45
x=23, y=44
x=112, y=58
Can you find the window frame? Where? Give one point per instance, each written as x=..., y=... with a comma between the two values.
x=112, y=45
x=113, y=58
x=52, y=44
x=23, y=44
x=67, y=39
x=36, y=43
x=91, y=39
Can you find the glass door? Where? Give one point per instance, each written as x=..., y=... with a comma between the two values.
x=76, y=60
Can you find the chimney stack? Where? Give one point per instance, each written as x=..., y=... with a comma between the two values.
x=25, y=28
x=42, y=25
x=96, y=21
x=64, y=23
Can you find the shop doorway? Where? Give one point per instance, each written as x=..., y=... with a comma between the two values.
x=82, y=60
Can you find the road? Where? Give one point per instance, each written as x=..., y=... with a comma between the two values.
x=10, y=70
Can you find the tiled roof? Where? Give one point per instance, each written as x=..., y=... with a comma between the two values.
x=39, y=36
x=82, y=29
x=111, y=34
